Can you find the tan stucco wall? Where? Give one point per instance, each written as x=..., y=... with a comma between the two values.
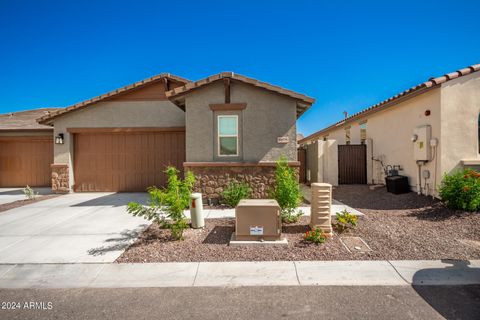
x=460, y=110
x=322, y=162
x=26, y=133
x=390, y=132
x=266, y=117
x=112, y=115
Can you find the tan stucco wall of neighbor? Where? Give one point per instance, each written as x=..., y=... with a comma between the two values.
x=390, y=132
x=322, y=162
x=460, y=110
x=266, y=117
x=113, y=115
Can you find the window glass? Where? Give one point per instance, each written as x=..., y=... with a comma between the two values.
x=227, y=125
x=347, y=136
x=228, y=146
x=363, y=132
x=227, y=135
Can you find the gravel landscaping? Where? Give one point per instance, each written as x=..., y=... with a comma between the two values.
x=395, y=227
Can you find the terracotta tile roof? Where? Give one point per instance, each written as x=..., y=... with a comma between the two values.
x=136, y=85
x=303, y=102
x=25, y=120
x=418, y=89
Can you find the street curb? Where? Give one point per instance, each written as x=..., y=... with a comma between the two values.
x=239, y=274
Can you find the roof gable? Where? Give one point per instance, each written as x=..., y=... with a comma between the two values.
x=152, y=88
x=176, y=95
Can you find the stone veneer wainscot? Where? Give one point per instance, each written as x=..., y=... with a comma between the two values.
x=60, y=178
x=213, y=177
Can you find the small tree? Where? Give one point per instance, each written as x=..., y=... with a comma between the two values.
x=286, y=191
x=166, y=205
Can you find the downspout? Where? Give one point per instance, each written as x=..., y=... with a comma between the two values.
x=420, y=163
x=435, y=170
x=419, y=177
x=371, y=160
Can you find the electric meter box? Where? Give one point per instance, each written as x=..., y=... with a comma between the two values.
x=421, y=147
x=258, y=219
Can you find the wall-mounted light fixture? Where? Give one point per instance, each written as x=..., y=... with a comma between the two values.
x=59, y=138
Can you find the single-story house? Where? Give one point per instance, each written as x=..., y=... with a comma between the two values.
x=223, y=127
x=425, y=131
x=26, y=149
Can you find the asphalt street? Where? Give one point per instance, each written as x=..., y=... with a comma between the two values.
x=316, y=302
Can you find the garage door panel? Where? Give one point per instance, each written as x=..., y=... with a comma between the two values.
x=127, y=161
x=25, y=161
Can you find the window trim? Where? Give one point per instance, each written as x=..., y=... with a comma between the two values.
x=227, y=135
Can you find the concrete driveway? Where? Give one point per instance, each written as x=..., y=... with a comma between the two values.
x=80, y=227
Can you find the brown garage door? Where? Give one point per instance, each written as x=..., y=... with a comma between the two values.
x=126, y=161
x=25, y=161
x=302, y=158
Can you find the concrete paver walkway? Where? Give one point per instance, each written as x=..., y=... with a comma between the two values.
x=337, y=206
x=226, y=274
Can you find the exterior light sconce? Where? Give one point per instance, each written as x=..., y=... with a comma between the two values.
x=59, y=139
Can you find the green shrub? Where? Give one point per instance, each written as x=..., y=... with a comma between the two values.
x=345, y=220
x=166, y=205
x=316, y=236
x=461, y=190
x=286, y=191
x=29, y=193
x=236, y=191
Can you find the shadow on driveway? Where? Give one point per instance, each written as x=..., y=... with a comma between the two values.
x=115, y=199
x=19, y=191
x=120, y=242
x=451, y=301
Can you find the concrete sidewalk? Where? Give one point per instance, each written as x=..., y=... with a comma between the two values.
x=337, y=206
x=233, y=274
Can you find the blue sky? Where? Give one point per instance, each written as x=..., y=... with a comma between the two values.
x=346, y=54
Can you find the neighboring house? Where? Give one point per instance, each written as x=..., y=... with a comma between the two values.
x=26, y=149
x=223, y=127
x=428, y=130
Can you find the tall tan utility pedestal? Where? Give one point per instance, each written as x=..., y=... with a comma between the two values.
x=321, y=206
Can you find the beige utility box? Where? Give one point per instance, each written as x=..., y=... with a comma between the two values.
x=321, y=205
x=422, y=136
x=258, y=219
